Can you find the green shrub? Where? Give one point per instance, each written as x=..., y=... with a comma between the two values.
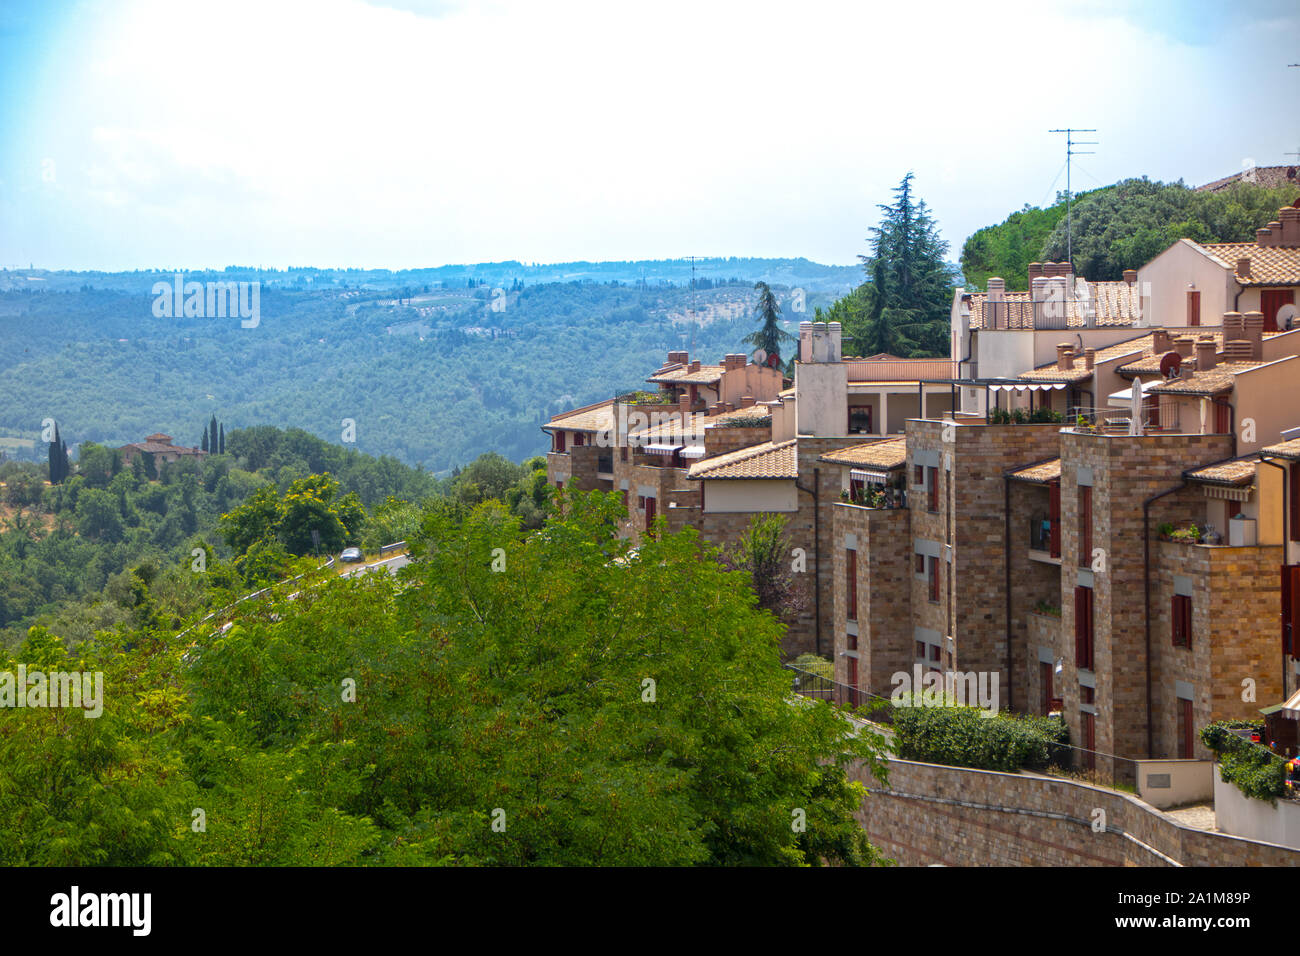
x=962, y=737
x=1255, y=770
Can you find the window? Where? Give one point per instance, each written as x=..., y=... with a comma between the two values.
x=640, y=502
x=920, y=650
x=1294, y=492
x=918, y=475
x=1085, y=525
x=1180, y=616
x=932, y=475
x=1234, y=509
x=1083, y=627
x=851, y=582
x=559, y=442
x=578, y=439
x=1045, y=687
x=559, y=486
x=932, y=578
x=1151, y=409
x=859, y=419
x=1186, y=730
x=1087, y=695
x=920, y=564
x=1193, y=306
x=1222, y=418
x=622, y=453
x=624, y=499
x=852, y=640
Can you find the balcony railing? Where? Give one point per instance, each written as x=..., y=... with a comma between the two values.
x=1116, y=421
x=1022, y=314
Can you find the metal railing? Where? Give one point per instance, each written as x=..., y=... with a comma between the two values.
x=820, y=687
x=1116, y=421
x=1022, y=314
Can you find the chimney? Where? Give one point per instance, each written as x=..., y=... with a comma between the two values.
x=1234, y=327
x=1035, y=271
x=746, y=401
x=1130, y=276
x=1238, y=350
x=1184, y=345
x=684, y=402
x=1160, y=343
x=1038, y=288
x=1263, y=238
x=997, y=289
x=1089, y=358
x=1290, y=217
x=1205, y=358
x=805, y=342
x=1254, y=322
x=834, y=341
x=695, y=365
x=1243, y=267
x=1065, y=357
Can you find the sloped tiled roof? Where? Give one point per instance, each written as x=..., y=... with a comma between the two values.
x=887, y=453
x=768, y=460
x=1286, y=449
x=1039, y=473
x=593, y=418
x=1210, y=382
x=1269, y=265
x=1230, y=471
x=679, y=374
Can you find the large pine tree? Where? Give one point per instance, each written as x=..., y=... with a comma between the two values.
x=769, y=336
x=904, y=308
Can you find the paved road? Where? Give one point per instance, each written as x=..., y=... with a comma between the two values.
x=392, y=564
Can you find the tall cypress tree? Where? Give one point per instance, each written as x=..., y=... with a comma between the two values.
x=221, y=445
x=204, y=446
x=212, y=434
x=53, y=457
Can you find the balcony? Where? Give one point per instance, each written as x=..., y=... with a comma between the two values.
x=1045, y=540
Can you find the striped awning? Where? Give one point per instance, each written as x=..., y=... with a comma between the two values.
x=1028, y=387
x=693, y=451
x=658, y=449
x=873, y=477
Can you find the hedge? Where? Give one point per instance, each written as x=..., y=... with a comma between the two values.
x=1254, y=769
x=963, y=737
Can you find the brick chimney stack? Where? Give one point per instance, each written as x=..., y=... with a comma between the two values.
x=1089, y=358
x=1184, y=345
x=1130, y=276
x=1205, y=357
x=1160, y=342
x=1065, y=357
x=1243, y=267
x=1290, y=219
x=1254, y=322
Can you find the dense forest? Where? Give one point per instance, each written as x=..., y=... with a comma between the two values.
x=511, y=697
x=1118, y=227
x=75, y=556
x=433, y=380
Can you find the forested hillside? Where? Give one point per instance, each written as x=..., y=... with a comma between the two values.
x=434, y=379
x=1118, y=227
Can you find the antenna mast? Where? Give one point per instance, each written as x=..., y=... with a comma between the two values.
x=1070, y=151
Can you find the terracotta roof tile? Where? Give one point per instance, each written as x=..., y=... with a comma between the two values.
x=1269, y=265
x=1230, y=471
x=1211, y=382
x=1113, y=304
x=1039, y=473
x=1286, y=449
x=678, y=374
x=768, y=460
x=887, y=453
x=593, y=418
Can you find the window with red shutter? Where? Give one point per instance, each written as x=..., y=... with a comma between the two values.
x=1083, y=627
x=1085, y=525
x=851, y=582
x=1193, y=307
x=933, y=477
x=1222, y=418
x=1295, y=502
x=559, y=442
x=578, y=439
x=934, y=579
x=1180, y=616
x=1186, y=729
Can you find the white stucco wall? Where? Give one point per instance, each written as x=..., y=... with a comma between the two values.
x=750, y=495
x=1167, y=277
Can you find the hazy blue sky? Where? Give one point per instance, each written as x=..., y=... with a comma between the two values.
x=336, y=132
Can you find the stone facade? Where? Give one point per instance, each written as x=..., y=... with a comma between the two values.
x=928, y=814
x=1124, y=472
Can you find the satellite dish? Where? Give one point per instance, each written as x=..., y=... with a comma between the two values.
x=1170, y=364
x=1286, y=317
x=759, y=357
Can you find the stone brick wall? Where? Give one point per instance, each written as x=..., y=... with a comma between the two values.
x=1032, y=581
x=884, y=638
x=972, y=519
x=1125, y=472
x=719, y=441
x=929, y=814
x=1235, y=636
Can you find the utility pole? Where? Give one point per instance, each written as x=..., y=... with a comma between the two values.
x=1070, y=151
x=691, y=347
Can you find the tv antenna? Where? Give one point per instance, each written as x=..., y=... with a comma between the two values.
x=691, y=322
x=1070, y=151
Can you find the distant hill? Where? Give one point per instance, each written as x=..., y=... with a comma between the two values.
x=802, y=273
x=431, y=374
